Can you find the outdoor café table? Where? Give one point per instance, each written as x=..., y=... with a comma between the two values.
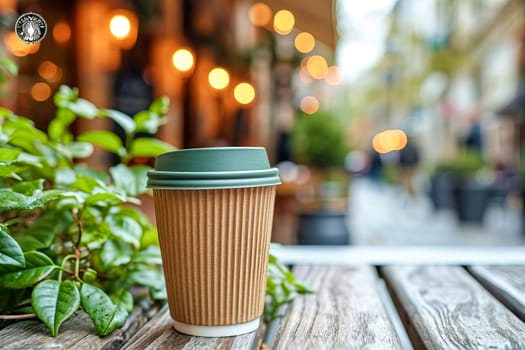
x=366, y=298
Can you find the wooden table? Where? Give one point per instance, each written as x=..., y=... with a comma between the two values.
x=356, y=306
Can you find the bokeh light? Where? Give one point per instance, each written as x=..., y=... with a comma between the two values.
x=50, y=71
x=334, y=76
x=283, y=22
x=218, y=78
x=389, y=140
x=61, y=32
x=309, y=104
x=244, y=93
x=260, y=14
x=317, y=67
x=304, y=42
x=183, y=60
x=40, y=92
x=120, y=26
x=18, y=48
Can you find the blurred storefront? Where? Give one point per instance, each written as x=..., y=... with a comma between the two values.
x=121, y=54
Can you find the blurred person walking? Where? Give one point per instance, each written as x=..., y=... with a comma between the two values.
x=408, y=162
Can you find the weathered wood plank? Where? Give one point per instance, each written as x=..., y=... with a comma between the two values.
x=507, y=283
x=445, y=308
x=160, y=334
x=76, y=333
x=345, y=312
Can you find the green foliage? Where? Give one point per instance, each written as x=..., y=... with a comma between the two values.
x=318, y=140
x=467, y=163
x=281, y=288
x=69, y=237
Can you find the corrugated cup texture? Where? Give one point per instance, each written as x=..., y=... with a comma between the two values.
x=214, y=246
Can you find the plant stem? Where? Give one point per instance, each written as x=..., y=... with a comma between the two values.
x=62, y=266
x=17, y=317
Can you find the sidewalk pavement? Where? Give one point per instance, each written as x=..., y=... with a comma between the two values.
x=383, y=214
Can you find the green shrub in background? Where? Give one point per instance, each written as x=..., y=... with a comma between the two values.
x=318, y=141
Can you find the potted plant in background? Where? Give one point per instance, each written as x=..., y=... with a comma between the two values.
x=459, y=184
x=73, y=237
x=318, y=141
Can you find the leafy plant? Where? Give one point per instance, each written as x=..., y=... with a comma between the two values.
x=318, y=140
x=71, y=236
x=281, y=288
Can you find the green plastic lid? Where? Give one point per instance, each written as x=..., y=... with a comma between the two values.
x=216, y=167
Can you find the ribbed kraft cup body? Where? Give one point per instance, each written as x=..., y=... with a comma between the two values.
x=215, y=246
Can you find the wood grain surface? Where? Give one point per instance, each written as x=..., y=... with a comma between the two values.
x=160, y=334
x=76, y=333
x=507, y=283
x=446, y=308
x=345, y=312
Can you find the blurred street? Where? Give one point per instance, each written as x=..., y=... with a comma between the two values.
x=382, y=214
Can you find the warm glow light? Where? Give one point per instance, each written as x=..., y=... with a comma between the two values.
x=260, y=14
x=120, y=26
x=40, y=92
x=309, y=105
x=183, y=60
x=283, y=22
x=317, y=67
x=61, y=32
x=244, y=93
x=334, y=76
x=50, y=71
x=17, y=47
x=304, y=42
x=376, y=144
x=389, y=140
x=218, y=78
x=401, y=139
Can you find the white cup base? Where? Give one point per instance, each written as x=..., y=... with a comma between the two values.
x=217, y=331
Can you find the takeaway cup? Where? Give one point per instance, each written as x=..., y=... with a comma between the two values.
x=214, y=211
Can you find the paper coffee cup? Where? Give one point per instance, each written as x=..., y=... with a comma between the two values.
x=214, y=210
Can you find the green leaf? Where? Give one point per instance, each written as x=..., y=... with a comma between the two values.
x=29, y=187
x=104, y=139
x=103, y=199
x=41, y=233
x=87, y=171
x=8, y=154
x=122, y=119
x=83, y=108
x=115, y=253
x=124, y=179
x=64, y=96
x=148, y=276
x=150, y=237
x=38, y=266
x=10, y=252
x=160, y=105
x=123, y=298
x=10, y=171
x=80, y=149
x=54, y=302
x=125, y=228
x=105, y=315
x=149, y=255
x=10, y=200
x=148, y=121
x=148, y=147
x=58, y=127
